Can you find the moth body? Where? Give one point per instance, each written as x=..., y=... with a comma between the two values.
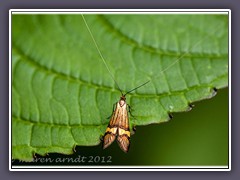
x=118, y=127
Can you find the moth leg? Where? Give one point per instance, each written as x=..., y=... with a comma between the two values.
x=133, y=130
x=114, y=106
x=134, y=127
x=130, y=111
x=101, y=138
x=74, y=148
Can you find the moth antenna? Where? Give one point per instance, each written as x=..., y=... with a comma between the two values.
x=136, y=88
x=184, y=54
x=96, y=45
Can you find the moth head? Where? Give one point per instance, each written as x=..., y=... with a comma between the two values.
x=122, y=100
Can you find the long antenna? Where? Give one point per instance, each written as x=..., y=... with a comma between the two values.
x=101, y=54
x=136, y=88
x=178, y=59
x=173, y=63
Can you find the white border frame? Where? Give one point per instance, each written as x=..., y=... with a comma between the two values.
x=118, y=168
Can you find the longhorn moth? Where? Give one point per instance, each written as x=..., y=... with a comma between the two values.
x=119, y=124
x=118, y=127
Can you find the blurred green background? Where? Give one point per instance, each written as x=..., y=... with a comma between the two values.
x=197, y=137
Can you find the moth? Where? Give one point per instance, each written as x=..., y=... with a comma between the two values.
x=118, y=126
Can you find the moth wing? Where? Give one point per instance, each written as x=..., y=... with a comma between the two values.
x=108, y=139
x=123, y=142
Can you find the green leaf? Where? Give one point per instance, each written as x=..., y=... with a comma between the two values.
x=62, y=92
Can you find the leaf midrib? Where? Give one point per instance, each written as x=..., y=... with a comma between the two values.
x=96, y=86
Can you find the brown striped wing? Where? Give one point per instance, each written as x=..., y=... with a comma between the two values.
x=118, y=126
x=120, y=118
